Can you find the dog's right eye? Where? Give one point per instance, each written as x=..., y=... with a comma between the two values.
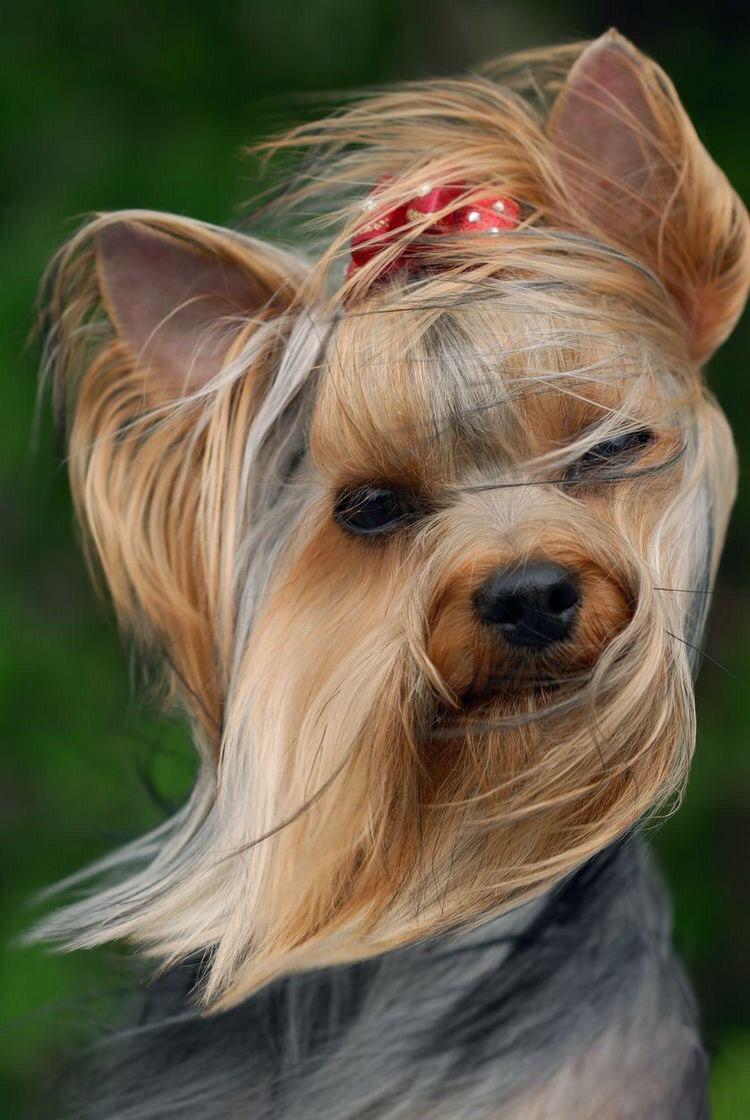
x=374, y=510
x=609, y=457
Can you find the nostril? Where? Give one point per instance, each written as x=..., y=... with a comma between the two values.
x=510, y=609
x=563, y=596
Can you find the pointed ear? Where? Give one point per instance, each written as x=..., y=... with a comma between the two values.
x=141, y=310
x=633, y=172
x=178, y=292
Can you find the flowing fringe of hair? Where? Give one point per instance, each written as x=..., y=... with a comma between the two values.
x=321, y=836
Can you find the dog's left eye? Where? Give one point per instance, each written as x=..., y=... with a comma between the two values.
x=373, y=510
x=611, y=452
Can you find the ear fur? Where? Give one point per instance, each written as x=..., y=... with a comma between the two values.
x=634, y=171
x=178, y=301
x=163, y=338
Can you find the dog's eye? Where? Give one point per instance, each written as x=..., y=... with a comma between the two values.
x=611, y=453
x=372, y=510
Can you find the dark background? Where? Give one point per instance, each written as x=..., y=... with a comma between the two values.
x=110, y=105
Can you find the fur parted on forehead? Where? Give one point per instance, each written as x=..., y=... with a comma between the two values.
x=490, y=383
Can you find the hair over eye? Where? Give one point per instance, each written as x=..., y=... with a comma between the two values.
x=611, y=454
x=375, y=509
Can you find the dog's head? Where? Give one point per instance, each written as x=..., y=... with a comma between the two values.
x=425, y=557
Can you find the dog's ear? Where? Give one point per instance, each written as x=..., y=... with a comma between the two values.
x=633, y=172
x=164, y=341
x=178, y=296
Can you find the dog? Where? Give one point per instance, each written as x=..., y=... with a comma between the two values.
x=419, y=529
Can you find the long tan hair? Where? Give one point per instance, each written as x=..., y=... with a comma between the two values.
x=373, y=768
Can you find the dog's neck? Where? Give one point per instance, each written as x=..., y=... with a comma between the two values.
x=559, y=1008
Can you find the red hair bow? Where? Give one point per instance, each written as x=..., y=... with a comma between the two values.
x=484, y=215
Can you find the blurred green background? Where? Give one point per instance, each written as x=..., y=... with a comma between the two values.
x=110, y=105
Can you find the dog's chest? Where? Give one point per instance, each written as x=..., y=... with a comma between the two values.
x=573, y=1007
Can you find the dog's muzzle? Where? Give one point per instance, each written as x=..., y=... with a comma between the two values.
x=532, y=606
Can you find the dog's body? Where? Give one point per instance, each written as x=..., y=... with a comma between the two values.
x=424, y=550
x=572, y=1006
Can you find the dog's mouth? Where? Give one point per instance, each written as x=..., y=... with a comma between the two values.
x=537, y=684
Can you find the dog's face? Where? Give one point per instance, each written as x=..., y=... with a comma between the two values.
x=508, y=476
x=427, y=566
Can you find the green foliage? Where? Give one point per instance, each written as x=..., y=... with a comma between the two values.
x=107, y=106
x=730, y=1097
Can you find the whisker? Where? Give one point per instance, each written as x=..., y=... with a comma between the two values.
x=704, y=591
x=706, y=656
x=685, y=590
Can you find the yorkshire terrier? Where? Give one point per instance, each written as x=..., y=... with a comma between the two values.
x=420, y=530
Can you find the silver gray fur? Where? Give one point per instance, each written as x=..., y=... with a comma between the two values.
x=471, y=1027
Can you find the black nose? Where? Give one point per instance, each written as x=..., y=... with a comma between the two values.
x=531, y=606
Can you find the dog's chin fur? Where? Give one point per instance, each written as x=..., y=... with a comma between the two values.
x=378, y=765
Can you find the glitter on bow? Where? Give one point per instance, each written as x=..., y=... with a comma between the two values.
x=485, y=215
